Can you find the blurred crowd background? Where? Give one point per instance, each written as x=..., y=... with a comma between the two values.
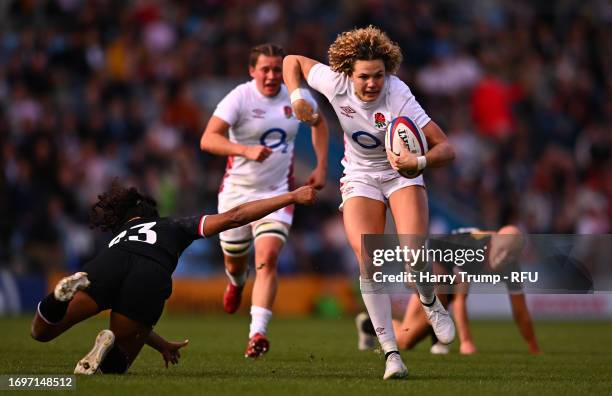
x=96, y=89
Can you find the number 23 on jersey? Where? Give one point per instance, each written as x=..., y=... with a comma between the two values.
x=143, y=233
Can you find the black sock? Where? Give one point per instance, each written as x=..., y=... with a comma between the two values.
x=432, y=335
x=115, y=362
x=389, y=354
x=368, y=327
x=431, y=303
x=51, y=309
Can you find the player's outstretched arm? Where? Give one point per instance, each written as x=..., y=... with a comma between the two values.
x=520, y=312
x=214, y=140
x=462, y=322
x=320, y=144
x=168, y=349
x=296, y=68
x=255, y=210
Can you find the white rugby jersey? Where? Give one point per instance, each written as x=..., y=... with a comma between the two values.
x=364, y=123
x=256, y=119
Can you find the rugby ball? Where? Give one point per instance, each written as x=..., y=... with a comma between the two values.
x=404, y=131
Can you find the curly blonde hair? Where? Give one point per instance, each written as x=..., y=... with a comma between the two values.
x=364, y=44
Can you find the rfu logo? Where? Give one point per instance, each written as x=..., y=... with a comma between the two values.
x=379, y=120
x=380, y=331
x=347, y=111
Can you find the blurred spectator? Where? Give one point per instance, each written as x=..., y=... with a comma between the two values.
x=90, y=90
x=493, y=101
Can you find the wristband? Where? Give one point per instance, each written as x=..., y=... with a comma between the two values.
x=296, y=95
x=421, y=162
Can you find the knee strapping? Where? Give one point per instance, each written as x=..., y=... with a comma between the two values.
x=271, y=228
x=236, y=248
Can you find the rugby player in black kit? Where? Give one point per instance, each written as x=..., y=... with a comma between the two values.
x=132, y=276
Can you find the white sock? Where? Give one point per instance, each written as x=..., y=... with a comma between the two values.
x=379, y=309
x=237, y=280
x=425, y=288
x=259, y=320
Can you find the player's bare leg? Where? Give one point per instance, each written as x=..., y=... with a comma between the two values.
x=116, y=348
x=130, y=336
x=466, y=343
x=413, y=327
x=236, y=269
x=367, y=216
x=267, y=249
x=63, y=308
x=410, y=212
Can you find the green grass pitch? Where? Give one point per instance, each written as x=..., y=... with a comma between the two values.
x=319, y=356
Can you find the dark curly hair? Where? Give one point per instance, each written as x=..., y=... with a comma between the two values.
x=118, y=205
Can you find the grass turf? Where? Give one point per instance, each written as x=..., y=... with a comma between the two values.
x=315, y=356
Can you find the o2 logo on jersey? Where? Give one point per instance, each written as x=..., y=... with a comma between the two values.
x=273, y=138
x=144, y=234
x=366, y=140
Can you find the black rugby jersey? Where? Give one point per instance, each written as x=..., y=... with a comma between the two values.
x=161, y=239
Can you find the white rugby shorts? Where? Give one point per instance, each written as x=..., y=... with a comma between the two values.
x=378, y=185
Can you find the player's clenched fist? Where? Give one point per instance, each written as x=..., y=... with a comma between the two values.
x=304, y=112
x=406, y=161
x=304, y=195
x=257, y=153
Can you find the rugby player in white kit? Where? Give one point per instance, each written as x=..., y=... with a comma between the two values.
x=361, y=86
x=254, y=126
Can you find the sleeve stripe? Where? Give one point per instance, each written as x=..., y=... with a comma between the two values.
x=201, y=226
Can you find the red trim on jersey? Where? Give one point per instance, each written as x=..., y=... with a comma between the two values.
x=290, y=209
x=290, y=183
x=290, y=176
x=228, y=166
x=201, y=226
